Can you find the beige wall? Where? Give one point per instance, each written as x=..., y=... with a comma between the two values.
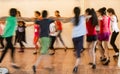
x=108, y=4
x=27, y=8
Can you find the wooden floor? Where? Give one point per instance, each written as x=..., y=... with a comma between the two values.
x=63, y=63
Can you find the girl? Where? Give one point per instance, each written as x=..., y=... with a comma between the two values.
x=59, y=27
x=91, y=22
x=53, y=34
x=36, y=31
x=20, y=35
x=104, y=35
x=79, y=30
x=2, y=26
x=44, y=40
x=11, y=23
x=115, y=29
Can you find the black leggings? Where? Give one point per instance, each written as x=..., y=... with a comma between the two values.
x=60, y=37
x=8, y=46
x=112, y=41
x=53, y=38
x=1, y=41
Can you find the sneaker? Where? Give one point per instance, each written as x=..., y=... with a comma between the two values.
x=116, y=55
x=34, y=68
x=35, y=52
x=75, y=69
x=94, y=66
x=52, y=52
x=15, y=66
x=90, y=63
x=106, y=62
x=102, y=59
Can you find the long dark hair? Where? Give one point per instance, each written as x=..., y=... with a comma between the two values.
x=94, y=19
x=111, y=10
x=102, y=11
x=77, y=14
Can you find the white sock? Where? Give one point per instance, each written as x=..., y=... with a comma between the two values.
x=77, y=62
x=117, y=53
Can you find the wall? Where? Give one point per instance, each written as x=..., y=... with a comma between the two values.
x=27, y=8
x=108, y=4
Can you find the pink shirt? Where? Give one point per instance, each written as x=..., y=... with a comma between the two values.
x=105, y=24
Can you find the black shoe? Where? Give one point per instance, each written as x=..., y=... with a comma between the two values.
x=65, y=49
x=106, y=62
x=90, y=63
x=35, y=52
x=34, y=69
x=115, y=56
x=102, y=59
x=94, y=66
x=75, y=69
x=15, y=66
x=52, y=53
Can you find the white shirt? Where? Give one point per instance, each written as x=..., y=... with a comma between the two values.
x=53, y=31
x=114, y=24
x=80, y=29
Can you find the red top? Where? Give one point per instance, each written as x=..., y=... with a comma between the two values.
x=36, y=30
x=59, y=25
x=91, y=30
x=105, y=24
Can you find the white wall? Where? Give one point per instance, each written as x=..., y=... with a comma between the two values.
x=27, y=8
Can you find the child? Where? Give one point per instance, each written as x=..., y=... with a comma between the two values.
x=59, y=27
x=44, y=40
x=115, y=30
x=2, y=26
x=36, y=31
x=91, y=22
x=53, y=34
x=104, y=35
x=79, y=30
x=11, y=23
x=20, y=35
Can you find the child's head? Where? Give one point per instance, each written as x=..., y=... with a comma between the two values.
x=87, y=11
x=57, y=13
x=110, y=11
x=21, y=23
x=44, y=13
x=102, y=11
x=37, y=14
x=18, y=14
x=13, y=12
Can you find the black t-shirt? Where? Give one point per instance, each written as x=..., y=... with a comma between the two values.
x=44, y=26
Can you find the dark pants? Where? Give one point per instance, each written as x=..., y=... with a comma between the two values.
x=112, y=41
x=60, y=37
x=53, y=38
x=1, y=41
x=21, y=45
x=78, y=45
x=8, y=46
